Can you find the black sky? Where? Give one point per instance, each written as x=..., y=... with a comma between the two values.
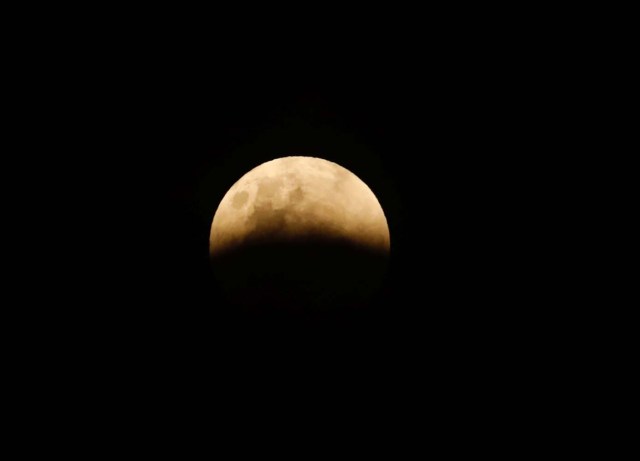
x=440, y=130
x=449, y=117
x=435, y=142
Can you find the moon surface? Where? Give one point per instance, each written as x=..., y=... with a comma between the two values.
x=299, y=232
x=295, y=197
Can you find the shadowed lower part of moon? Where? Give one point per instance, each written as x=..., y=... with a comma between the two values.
x=300, y=275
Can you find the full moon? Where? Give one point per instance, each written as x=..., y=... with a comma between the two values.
x=299, y=232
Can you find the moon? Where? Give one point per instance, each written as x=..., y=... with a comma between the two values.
x=299, y=231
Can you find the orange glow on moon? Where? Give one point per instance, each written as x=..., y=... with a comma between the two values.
x=298, y=197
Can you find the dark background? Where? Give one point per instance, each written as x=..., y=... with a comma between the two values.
x=140, y=121
x=437, y=143
x=442, y=129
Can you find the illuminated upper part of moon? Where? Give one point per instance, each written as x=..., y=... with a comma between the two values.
x=293, y=197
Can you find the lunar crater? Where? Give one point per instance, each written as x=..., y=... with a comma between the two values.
x=240, y=199
x=297, y=195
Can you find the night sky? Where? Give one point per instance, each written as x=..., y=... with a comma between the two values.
x=429, y=149
x=438, y=136
x=460, y=124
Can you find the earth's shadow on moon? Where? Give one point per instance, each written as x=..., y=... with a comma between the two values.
x=316, y=279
